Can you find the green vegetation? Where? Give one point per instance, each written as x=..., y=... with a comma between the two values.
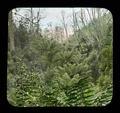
x=44, y=72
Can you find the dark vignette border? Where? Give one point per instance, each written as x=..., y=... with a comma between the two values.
x=6, y=107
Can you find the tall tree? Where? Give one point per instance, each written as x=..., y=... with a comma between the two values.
x=64, y=23
x=11, y=32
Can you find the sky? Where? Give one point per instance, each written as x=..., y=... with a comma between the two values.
x=52, y=15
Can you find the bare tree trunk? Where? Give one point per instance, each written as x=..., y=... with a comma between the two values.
x=11, y=32
x=35, y=21
x=76, y=25
x=64, y=23
x=31, y=18
x=38, y=20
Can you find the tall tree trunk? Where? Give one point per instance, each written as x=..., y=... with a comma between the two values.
x=11, y=32
x=64, y=23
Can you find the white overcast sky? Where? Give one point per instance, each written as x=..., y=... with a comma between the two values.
x=52, y=15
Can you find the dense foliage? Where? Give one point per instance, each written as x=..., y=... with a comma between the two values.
x=44, y=72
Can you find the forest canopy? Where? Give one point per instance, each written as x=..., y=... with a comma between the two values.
x=64, y=64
